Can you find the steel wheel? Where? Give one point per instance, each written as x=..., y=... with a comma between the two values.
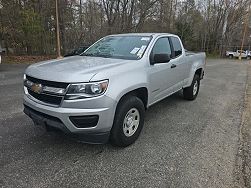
x=128, y=121
x=131, y=122
x=195, y=87
x=191, y=92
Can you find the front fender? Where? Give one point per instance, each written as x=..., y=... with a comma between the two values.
x=124, y=80
x=118, y=87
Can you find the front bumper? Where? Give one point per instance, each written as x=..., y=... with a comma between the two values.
x=59, y=117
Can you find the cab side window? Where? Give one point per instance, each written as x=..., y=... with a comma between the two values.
x=162, y=46
x=176, y=46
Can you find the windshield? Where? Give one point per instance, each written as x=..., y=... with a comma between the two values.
x=122, y=47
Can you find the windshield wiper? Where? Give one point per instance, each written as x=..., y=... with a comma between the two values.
x=97, y=55
x=104, y=55
x=87, y=54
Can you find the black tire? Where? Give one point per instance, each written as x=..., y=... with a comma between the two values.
x=117, y=136
x=188, y=92
x=231, y=56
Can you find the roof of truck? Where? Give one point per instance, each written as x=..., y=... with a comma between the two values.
x=142, y=34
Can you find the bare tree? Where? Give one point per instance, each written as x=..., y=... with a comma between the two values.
x=28, y=26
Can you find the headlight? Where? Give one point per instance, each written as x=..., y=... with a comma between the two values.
x=86, y=90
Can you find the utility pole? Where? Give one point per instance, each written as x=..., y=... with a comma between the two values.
x=224, y=28
x=80, y=20
x=245, y=30
x=57, y=32
x=80, y=15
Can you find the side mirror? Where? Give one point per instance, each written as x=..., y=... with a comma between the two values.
x=160, y=58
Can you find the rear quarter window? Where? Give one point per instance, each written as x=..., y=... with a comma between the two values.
x=176, y=46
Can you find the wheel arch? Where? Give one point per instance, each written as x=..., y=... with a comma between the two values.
x=199, y=72
x=141, y=93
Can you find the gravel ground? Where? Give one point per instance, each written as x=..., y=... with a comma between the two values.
x=243, y=160
x=183, y=143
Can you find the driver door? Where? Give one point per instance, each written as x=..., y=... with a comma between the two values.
x=162, y=76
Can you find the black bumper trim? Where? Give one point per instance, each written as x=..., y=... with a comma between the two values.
x=92, y=138
x=84, y=121
x=47, y=120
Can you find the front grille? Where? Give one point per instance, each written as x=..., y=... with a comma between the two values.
x=53, y=99
x=47, y=83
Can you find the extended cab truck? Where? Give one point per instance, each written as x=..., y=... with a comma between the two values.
x=102, y=95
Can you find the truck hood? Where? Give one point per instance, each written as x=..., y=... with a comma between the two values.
x=72, y=69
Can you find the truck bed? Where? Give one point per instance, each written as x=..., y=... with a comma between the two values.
x=189, y=53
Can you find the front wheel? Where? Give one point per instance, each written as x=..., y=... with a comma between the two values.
x=191, y=92
x=128, y=121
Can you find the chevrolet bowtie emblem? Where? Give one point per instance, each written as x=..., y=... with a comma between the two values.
x=37, y=88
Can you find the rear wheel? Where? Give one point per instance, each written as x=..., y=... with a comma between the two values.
x=231, y=56
x=191, y=92
x=128, y=121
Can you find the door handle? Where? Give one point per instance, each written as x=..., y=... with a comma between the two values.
x=173, y=66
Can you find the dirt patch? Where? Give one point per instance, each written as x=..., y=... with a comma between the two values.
x=25, y=59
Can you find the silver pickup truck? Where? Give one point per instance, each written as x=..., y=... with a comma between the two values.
x=102, y=94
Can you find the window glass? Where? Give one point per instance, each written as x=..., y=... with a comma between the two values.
x=176, y=46
x=162, y=46
x=121, y=47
